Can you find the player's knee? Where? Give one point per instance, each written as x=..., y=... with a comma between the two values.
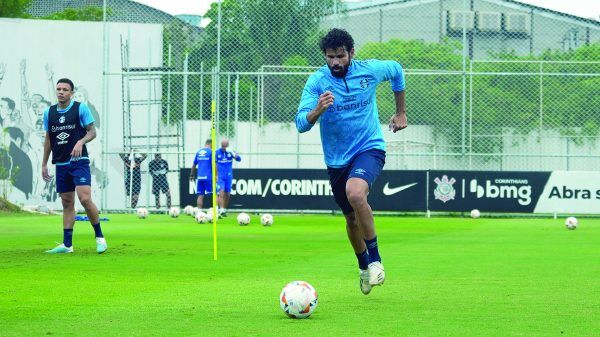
x=355, y=197
x=68, y=203
x=86, y=201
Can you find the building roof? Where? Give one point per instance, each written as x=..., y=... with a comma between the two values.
x=383, y=3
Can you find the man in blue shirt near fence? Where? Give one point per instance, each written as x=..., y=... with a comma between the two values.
x=342, y=95
x=225, y=173
x=69, y=126
x=202, y=172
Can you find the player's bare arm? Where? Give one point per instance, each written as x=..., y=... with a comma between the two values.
x=193, y=173
x=47, y=149
x=325, y=101
x=89, y=136
x=398, y=120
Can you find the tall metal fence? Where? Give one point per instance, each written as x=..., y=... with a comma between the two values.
x=490, y=84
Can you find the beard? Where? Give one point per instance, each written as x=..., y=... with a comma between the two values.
x=338, y=71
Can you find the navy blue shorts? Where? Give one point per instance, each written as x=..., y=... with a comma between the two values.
x=203, y=187
x=365, y=165
x=76, y=173
x=224, y=183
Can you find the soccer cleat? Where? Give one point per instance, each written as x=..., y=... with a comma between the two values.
x=60, y=249
x=376, y=273
x=101, y=245
x=365, y=287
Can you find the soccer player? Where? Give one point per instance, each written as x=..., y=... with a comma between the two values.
x=69, y=126
x=158, y=168
x=341, y=95
x=225, y=173
x=202, y=172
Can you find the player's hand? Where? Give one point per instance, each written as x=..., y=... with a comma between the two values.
x=398, y=122
x=45, y=175
x=77, y=149
x=325, y=101
x=234, y=154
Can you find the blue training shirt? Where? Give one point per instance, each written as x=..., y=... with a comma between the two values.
x=202, y=160
x=351, y=125
x=85, y=119
x=225, y=163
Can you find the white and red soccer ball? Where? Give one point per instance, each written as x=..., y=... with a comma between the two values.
x=298, y=299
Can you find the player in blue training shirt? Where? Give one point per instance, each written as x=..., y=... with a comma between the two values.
x=69, y=126
x=225, y=173
x=202, y=172
x=342, y=96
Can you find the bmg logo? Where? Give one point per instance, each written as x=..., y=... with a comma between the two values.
x=503, y=189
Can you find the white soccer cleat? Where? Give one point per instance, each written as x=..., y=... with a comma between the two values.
x=376, y=273
x=60, y=249
x=365, y=287
x=101, y=245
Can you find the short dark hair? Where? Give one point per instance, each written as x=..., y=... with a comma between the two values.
x=66, y=80
x=11, y=103
x=208, y=141
x=336, y=38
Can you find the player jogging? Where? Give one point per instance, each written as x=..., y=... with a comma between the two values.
x=342, y=96
x=225, y=172
x=69, y=126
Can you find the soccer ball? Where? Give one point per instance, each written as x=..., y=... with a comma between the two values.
x=266, y=219
x=298, y=299
x=194, y=211
x=571, y=222
x=243, y=219
x=174, y=212
x=475, y=214
x=210, y=215
x=188, y=209
x=201, y=217
x=142, y=213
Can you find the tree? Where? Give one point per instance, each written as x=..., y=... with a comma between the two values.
x=14, y=8
x=257, y=33
x=90, y=13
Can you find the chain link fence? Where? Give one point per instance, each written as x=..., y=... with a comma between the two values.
x=491, y=85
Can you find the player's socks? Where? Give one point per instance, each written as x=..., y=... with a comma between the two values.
x=68, y=237
x=373, y=250
x=98, y=230
x=363, y=260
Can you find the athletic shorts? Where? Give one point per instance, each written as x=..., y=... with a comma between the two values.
x=160, y=184
x=365, y=165
x=203, y=187
x=76, y=173
x=224, y=183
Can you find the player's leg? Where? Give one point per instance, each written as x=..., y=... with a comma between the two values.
x=156, y=192
x=365, y=169
x=82, y=179
x=168, y=194
x=200, y=192
x=227, y=184
x=66, y=190
x=337, y=179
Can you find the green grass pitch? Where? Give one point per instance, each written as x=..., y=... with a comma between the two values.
x=445, y=277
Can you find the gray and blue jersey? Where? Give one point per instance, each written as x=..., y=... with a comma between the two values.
x=351, y=125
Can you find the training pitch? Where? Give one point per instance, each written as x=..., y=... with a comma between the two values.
x=444, y=277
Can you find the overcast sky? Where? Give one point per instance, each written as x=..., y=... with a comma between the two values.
x=583, y=8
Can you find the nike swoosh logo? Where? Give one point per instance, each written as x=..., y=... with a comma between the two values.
x=389, y=191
